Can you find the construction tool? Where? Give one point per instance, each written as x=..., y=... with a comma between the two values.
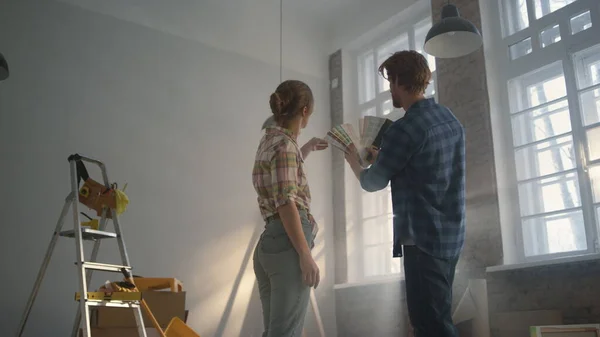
x=107, y=201
x=176, y=327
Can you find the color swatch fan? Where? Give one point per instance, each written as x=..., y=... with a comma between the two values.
x=342, y=137
x=372, y=129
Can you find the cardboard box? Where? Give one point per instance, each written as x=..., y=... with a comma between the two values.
x=164, y=306
x=517, y=323
x=120, y=332
x=579, y=330
x=471, y=314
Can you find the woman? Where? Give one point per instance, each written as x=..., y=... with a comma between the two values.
x=283, y=264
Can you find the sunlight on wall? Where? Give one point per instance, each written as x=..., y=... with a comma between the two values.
x=318, y=251
x=228, y=277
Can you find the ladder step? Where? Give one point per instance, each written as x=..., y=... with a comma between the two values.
x=112, y=304
x=89, y=234
x=114, y=296
x=104, y=266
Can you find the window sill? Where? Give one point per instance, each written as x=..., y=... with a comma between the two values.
x=376, y=281
x=557, y=261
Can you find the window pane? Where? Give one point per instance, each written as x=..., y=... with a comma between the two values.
x=537, y=87
x=581, y=22
x=390, y=112
x=539, y=124
x=396, y=264
x=556, y=233
x=550, y=36
x=545, y=158
x=545, y=7
x=595, y=179
x=368, y=112
x=387, y=107
x=371, y=205
x=367, y=78
x=593, y=140
x=587, y=67
x=590, y=106
x=430, y=91
x=514, y=14
x=549, y=194
x=377, y=231
x=385, y=51
x=376, y=261
x=421, y=30
x=520, y=48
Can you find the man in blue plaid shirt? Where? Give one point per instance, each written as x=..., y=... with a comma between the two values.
x=423, y=156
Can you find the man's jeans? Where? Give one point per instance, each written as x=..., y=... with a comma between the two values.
x=429, y=293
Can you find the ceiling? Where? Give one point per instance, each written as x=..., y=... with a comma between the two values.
x=328, y=13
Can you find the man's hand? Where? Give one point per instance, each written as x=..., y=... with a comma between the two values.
x=353, y=159
x=373, y=153
x=315, y=144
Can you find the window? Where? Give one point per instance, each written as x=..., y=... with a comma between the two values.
x=545, y=7
x=374, y=230
x=554, y=100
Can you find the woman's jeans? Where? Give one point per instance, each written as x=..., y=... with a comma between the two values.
x=283, y=294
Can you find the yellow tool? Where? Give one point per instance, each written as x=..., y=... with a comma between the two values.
x=176, y=328
x=114, y=296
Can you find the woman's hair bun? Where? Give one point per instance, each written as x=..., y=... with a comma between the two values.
x=276, y=104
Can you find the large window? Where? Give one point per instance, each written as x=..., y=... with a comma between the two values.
x=553, y=89
x=374, y=216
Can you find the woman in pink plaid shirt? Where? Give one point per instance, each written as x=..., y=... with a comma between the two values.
x=283, y=263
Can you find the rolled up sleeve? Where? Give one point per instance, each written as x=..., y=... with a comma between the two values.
x=284, y=175
x=396, y=149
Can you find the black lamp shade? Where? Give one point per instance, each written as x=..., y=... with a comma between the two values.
x=453, y=36
x=3, y=68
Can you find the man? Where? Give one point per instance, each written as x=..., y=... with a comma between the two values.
x=423, y=156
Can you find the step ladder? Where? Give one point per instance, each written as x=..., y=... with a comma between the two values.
x=85, y=268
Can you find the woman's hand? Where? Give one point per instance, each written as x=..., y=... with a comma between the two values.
x=310, y=270
x=315, y=144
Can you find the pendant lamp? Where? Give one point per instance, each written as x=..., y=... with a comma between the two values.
x=453, y=36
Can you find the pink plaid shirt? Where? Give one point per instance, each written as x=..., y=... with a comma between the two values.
x=278, y=175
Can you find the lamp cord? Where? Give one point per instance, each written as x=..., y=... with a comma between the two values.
x=280, y=41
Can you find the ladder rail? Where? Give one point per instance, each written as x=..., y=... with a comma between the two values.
x=85, y=268
x=100, y=164
x=120, y=239
x=89, y=272
x=45, y=263
x=81, y=274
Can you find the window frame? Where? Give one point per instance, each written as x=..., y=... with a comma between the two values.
x=377, y=102
x=562, y=51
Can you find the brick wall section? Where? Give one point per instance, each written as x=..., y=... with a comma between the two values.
x=571, y=288
x=462, y=87
x=338, y=163
x=377, y=310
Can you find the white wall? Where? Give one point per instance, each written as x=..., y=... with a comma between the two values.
x=368, y=19
x=174, y=117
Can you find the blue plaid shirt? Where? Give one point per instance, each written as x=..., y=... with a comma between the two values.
x=423, y=155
